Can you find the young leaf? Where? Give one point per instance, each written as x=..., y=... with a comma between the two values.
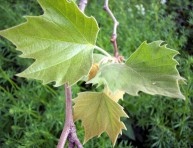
x=61, y=41
x=99, y=113
x=151, y=69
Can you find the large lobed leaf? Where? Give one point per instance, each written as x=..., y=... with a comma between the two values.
x=61, y=41
x=151, y=69
x=99, y=113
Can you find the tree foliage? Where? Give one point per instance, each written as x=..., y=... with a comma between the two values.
x=62, y=41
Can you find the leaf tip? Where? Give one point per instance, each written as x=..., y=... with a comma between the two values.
x=126, y=116
x=3, y=33
x=184, y=98
x=20, y=74
x=181, y=96
x=85, y=140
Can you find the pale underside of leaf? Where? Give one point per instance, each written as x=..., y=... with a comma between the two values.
x=99, y=113
x=61, y=41
x=151, y=69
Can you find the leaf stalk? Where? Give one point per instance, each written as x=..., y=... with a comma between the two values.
x=102, y=51
x=116, y=23
x=69, y=130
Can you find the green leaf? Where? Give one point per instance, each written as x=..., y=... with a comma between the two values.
x=61, y=41
x=151, y=69
x=99, y=113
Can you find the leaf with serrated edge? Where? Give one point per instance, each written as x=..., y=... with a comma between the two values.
x=151, y=69
x=99, y=113
x=61, y=41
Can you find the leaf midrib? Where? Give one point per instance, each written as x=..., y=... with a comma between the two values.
x=36, y=37
x=69, y=21
x=54, y=64
x=60, y=41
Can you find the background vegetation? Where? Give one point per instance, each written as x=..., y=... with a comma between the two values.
x=32, y=114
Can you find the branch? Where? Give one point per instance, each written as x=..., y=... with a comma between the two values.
x=67, y=126
x=82, y=4
x=116, y=23
x=73, y=139
x=69, y=130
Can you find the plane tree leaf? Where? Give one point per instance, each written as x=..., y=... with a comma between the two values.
x=99, y=114
x=151, y=69
x=61, y=41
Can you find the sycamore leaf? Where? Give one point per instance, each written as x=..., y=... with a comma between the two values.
x=99, y=113
x=151, y=69
x=61, y=41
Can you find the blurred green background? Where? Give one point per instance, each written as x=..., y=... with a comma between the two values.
x=32, y=114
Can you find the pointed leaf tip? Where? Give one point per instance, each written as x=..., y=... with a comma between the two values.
x=61, y=41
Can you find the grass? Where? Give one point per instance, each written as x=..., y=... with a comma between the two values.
x=32, y=114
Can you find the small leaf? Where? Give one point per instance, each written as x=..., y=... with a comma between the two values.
x=151, y=69
x=99, y=113
x=61, y=41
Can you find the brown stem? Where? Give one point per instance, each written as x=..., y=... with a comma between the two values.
x=69, y=130
x=69, y=119
x=73, y=139
x=116, y=23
